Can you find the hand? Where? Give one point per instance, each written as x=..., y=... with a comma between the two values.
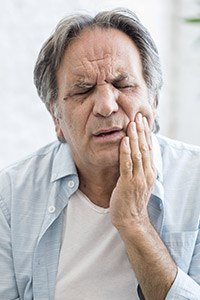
x=128, y=203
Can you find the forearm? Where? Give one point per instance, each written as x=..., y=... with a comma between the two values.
x=157, y=273
x=150, y=260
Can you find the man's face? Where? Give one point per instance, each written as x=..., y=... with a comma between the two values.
x=100, y=90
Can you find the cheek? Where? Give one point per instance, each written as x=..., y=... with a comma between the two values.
x=65, y=122
x=72, y=124
x=65, y=128
x=148, y=112
x=132, y=106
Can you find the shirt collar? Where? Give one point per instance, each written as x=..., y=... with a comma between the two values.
x=63, y=164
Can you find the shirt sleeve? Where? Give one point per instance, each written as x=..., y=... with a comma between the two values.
x=8, y=286
x=187, y=286
x=184, y=287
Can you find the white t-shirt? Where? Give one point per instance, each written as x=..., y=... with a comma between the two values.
x=93, y=263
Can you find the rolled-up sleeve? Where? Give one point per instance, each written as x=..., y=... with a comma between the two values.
x=187, y=286
x=184, y=287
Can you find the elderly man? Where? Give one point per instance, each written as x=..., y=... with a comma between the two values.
x=111, y=210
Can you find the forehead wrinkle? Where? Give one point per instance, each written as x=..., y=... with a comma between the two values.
x=104, y=68
x=94, y=70
x=99, y=62
x=84, y=82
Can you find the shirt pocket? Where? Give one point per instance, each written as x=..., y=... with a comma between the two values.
x=181, y=246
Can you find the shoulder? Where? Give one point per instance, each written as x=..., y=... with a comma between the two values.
x=25, y=185
x=174, y=149
x=181, y=161
x=33, y=161
x=181, y=182
x=22, y=172
x=170, y=144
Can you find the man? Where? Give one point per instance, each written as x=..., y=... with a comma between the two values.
x=111, y=210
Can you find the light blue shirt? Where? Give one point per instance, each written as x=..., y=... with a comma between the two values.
x=34, y=193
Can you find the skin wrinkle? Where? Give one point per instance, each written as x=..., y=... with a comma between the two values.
x=90, y=68
x=127, y=170
x=115, y=167
x=75, y=63
x=103, y=22
x=87, y=83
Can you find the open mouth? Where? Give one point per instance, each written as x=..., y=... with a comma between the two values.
x=109, y=134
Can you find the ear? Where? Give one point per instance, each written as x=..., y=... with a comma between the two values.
x=57, y=121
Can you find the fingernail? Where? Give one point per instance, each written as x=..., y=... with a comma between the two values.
x=139, y=117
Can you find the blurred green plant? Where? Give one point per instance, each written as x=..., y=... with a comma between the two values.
x=195, y=19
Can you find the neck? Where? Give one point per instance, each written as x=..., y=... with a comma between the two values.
x=98, y=185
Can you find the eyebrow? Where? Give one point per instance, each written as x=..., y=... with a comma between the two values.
x=120, y=77
x=82, y=83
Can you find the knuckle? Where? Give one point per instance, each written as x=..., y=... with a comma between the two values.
x=128, y=165
x=150, y=178
x=140, y=127
x=134, y=138
x=144, y=148
x=140, y=182
x=137, y=156
x=126, y=168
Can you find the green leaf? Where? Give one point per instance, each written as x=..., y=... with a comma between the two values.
x=193, y=20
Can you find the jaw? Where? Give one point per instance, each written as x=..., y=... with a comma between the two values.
x=98, y=159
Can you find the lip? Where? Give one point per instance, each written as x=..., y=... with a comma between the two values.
x=112, y=134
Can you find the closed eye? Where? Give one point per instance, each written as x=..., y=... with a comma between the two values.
x=82, y=91
x=123, y=87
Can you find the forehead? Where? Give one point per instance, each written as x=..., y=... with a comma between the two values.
x=101, y=50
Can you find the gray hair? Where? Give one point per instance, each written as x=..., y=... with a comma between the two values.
x=70, y=27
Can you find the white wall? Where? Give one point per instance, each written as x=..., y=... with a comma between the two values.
x=184, y=77
x=25, y=125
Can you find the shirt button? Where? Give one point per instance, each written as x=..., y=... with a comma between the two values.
x=71, y=184
x=51, y=209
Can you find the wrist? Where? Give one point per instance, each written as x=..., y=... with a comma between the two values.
x=134, y=227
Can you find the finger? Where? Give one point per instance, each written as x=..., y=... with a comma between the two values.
x=143, y=144
x=135, y=150
x=126, y=166
x=147, y=131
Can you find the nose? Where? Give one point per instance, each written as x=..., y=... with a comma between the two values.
x=105, y=101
